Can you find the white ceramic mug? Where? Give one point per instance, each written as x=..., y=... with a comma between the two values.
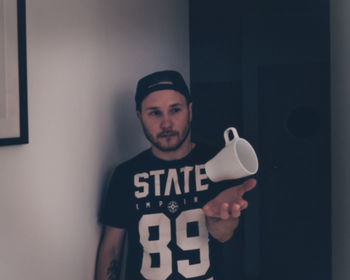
x=236, y=160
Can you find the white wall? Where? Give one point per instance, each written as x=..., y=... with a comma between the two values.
x=340, y=30
x=84, y=59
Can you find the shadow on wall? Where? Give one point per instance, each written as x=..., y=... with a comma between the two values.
x=127, y=138
x=127, y=141
x=130, y=139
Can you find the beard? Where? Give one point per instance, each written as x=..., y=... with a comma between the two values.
x=167, y=135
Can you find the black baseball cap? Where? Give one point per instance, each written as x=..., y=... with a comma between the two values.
x=161, y=80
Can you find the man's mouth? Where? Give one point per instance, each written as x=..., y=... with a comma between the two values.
x=167, y=134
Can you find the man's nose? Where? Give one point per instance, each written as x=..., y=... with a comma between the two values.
x=166, y=121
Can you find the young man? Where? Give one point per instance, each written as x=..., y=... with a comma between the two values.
x=162, y=197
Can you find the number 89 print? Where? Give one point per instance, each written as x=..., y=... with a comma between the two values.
x=183, y=241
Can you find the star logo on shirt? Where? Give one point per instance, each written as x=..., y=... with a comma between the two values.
x=173, y=206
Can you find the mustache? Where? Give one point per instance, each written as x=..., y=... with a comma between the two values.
x=167, y=133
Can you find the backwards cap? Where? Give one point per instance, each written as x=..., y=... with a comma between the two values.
x=160, y=81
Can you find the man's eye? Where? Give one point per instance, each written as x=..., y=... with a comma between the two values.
x=175, y=110
x=155, y=113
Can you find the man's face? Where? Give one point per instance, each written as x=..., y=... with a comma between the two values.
x=166, y=119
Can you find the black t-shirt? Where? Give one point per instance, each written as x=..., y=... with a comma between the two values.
x=159, y=203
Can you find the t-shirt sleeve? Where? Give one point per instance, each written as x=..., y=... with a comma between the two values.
x=115, y=206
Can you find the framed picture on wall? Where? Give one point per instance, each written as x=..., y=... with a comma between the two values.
x=13, y=73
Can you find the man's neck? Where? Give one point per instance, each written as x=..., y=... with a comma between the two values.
x=180, y=153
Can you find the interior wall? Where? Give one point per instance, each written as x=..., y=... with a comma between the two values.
x=84, y=59
x=340, y=30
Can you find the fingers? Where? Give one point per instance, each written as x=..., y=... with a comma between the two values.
x=227, y=212
x=243, y=204
x=237, y=208
x=247, y=186
x=208, y=211
x=224, y=211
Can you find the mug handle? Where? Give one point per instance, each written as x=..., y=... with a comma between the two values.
x=227, y=134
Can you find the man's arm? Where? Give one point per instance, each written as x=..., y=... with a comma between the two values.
x=110, y=254
x=223, y=211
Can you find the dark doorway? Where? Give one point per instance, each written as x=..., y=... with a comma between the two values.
x=263, y=67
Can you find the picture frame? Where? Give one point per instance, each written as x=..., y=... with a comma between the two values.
x=13, y=73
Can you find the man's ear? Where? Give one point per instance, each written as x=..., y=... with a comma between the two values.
x=190, y=110
x=138, y=114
